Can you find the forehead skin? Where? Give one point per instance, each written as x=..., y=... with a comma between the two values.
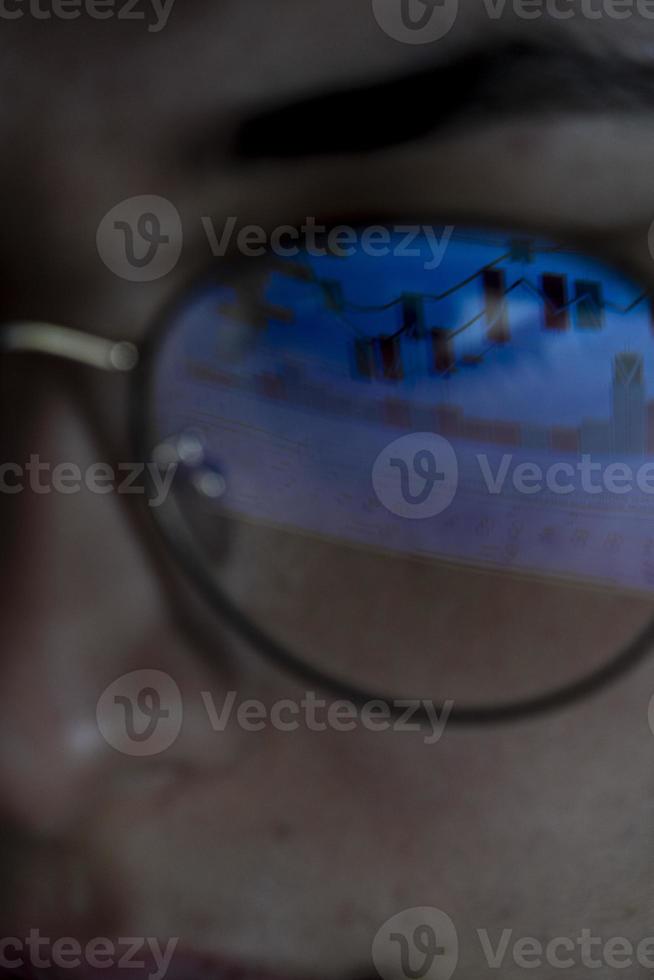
x=549, y=827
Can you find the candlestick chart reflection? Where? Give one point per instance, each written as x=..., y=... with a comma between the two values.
x=515, y=380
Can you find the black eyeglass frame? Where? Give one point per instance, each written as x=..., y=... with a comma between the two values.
x=139, y=366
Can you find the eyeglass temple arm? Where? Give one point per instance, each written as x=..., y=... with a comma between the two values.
x=69, y=344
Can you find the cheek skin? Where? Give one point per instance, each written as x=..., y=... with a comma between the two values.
x=501, y=829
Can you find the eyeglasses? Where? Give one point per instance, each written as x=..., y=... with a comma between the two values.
x=403, y=470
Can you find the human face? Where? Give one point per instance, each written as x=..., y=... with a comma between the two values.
x=278, y=851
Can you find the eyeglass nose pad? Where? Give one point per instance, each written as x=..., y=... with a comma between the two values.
x=187, y=453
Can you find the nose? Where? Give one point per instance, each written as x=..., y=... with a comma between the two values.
x=91, y=663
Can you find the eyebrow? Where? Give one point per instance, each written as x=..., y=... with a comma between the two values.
x=514, y=80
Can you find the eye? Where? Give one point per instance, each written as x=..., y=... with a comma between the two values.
x=433, y=439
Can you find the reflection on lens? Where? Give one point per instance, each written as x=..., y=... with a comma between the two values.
x=436, y=465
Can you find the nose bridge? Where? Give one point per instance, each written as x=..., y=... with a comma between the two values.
x=80, y=608
x=70, y=569
x=100, y=693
